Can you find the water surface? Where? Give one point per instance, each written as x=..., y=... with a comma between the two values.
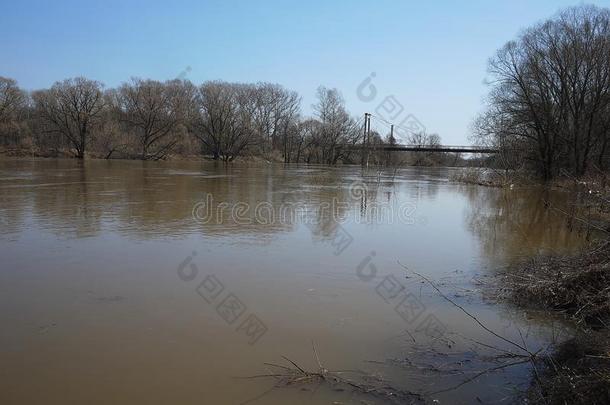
x=125, y=282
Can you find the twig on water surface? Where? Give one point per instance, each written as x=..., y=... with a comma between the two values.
x=465, y=311
x=287, y=376
x=479, y=374
x=528, y=357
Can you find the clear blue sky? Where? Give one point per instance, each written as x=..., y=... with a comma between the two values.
x=431, y=56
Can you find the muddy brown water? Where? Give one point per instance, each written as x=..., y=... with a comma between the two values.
x=140, y=282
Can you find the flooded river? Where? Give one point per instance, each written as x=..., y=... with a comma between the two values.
x=140, y=282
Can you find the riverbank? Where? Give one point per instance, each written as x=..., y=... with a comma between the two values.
x=578, y=288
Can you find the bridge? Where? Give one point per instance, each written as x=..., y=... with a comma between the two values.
x=429, y=148
x=440, y=148
x=414, y=128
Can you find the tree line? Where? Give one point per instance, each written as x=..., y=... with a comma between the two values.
x=549, y=104
x=149, y=120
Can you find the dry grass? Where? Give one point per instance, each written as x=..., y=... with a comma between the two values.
x=578, y=286
x=592, y=198
x=578, y=372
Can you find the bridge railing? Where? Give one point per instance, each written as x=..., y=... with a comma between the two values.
x=460, y=147
x=427, y=148
x=438, y=148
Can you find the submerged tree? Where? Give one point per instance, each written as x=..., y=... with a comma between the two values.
x=337, y=129
x=153, y=111
x=12, y=103
x=72, y=108
x=274, y=110
x=221, y=119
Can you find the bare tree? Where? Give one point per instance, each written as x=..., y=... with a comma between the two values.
x=153, y=111
x=222, y=119
x=12, y=105
x=72, y=108
x=110, y=137
x=511, y=149
x=337, y=129
x=551, y=92
x=274, y=110
x=425, y=140
x=12, y=98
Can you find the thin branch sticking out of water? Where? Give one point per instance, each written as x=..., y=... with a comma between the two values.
x=465, y=311
x=296, y=375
